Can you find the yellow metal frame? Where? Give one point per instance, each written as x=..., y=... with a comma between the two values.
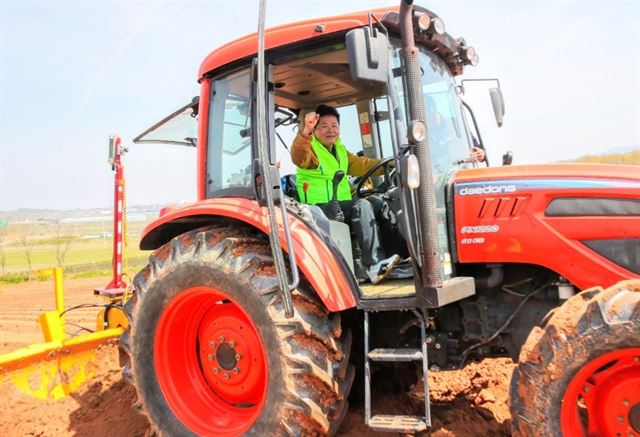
x=57, y=367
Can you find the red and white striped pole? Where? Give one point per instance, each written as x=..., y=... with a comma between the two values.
x=116, y=151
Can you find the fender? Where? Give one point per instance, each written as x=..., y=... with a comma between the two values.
x=319, y=264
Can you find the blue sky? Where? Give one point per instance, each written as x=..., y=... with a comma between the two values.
x=73, y=72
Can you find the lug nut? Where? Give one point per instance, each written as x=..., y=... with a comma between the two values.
x=625, y=403
x=221, y=339
x=212, y=344
x=226, y=375
x=211, y=357
x=586, y=389
x=238, y=357
x=216, y=370
x=438, y=346
x=620, y=419
x=236, y=370
x=232, y=343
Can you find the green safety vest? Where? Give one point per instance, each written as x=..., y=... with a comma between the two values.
x=321, y=179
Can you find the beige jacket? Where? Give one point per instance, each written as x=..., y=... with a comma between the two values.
x=303, y=156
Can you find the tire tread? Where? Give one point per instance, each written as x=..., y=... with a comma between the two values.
x=248, y=257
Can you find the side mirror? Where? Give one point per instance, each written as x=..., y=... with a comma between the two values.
x=368, y=51
x=498, y=104
x=507, y=158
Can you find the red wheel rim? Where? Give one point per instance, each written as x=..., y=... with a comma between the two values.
x=210, y=362
x=603, y=399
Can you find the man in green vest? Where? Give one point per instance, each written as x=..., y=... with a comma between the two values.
x=318, y=153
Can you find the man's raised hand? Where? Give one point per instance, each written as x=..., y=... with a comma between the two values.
x=477, y=154
x=310, y=121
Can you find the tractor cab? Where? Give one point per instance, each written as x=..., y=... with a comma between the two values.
x=308, y=72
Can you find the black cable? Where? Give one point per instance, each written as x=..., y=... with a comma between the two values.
x=83, y=305
x=79, y=330
x=508, y=287
x=465, y=353
x=105, y=318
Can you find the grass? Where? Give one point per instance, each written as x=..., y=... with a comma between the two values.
x=44, y=256
x=85, y=257
x=96, y=270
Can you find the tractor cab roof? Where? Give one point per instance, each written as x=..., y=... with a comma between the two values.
x=286, y=35
x=305, y=74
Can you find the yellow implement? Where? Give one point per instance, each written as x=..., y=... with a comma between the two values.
x=60, y=365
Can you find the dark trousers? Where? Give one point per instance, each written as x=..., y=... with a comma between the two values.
x=361, y=215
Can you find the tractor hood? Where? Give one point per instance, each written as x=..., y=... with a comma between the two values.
x=564, y=172
x=580, y=221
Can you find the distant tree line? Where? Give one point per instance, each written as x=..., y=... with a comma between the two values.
x=628, y=158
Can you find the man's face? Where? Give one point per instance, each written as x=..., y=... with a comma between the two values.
x=327, y=130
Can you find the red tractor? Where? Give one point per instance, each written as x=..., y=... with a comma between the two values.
x=251, y=316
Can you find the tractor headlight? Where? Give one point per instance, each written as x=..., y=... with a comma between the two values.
x=417, y=131
x=410, y=171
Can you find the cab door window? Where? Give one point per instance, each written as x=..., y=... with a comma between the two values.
x=229, y=151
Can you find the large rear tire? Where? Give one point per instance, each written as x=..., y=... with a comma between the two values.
x=211, y=353
x=579, y=374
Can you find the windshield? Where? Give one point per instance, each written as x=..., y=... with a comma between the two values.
x=448, y=134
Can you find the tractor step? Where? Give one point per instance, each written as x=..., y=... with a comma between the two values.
x=389, y=423
x=395, y=355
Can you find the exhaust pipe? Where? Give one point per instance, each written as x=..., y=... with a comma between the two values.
x=426, y=201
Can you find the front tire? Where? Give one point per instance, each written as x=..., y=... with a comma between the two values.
x=211, y=353
x=579, y=374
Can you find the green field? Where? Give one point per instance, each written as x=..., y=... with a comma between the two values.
x=43, y=257
x=88, y=248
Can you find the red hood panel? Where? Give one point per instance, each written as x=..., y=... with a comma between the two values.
x=600, y=171
x=502, y=215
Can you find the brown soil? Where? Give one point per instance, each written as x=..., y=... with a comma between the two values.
x=468, y=402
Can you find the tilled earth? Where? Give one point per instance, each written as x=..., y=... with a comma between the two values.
x=468, y=402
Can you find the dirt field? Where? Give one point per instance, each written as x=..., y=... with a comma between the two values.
x=470, y=402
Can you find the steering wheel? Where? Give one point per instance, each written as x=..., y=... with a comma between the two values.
x=383, y=187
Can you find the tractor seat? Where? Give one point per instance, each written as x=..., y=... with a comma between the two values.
x=289, y=188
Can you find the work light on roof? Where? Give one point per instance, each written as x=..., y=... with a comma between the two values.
x=469, y=56
x=438, y=25
x=424, y=22
x=429, y=24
